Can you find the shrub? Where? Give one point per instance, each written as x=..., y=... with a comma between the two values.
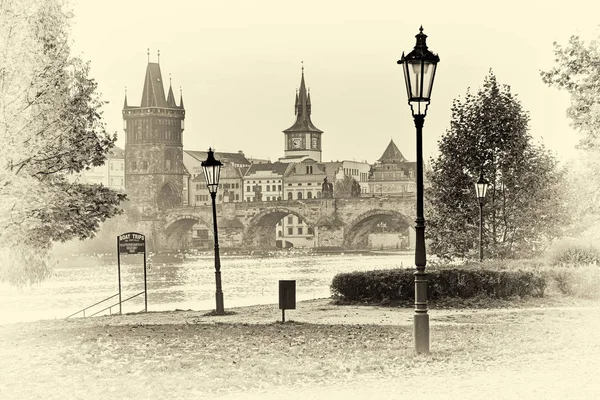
x=574, y=253
x=581, y=281
x=444, y=283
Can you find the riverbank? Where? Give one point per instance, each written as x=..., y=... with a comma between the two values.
x=546, y=348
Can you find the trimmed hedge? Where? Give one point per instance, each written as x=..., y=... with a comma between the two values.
x=399, y=284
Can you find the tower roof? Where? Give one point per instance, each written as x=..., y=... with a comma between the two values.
x=171, y=98
x=392, y=153
x=303, y=110
x=154, y=92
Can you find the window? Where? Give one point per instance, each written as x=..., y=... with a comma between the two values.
x=290, y=231
x=279, y=233
x=268, y=198
x=268, y=188
x=145, y=165
x=168, y=164
x=300, y=230
x=299, y=220
x=290, y=220
x=237, y=197
x=289, y=184
x=318, y=195
x=309, y=169
x=247, y=188
x=237, y=185
x=309, y=195
x=309, y=230
x=133, y=166
x=299, y=195
x=290, y=196
x=220, y=197
x=112, y=166
x=279, y=188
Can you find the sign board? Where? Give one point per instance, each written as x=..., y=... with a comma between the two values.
x=132, y=243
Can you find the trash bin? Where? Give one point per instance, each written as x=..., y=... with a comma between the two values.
x=287, y=297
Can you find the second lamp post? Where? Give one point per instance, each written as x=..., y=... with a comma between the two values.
x=481, y=189
x=212, y=170
x=419, y=70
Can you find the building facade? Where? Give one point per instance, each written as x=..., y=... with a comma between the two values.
x=392, y=174
x=110, y=174
x=154, y=169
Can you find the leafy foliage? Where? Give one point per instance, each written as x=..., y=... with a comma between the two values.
x=347, y=187
x=464, y=283
x=576, y=72
x=50, y=127
x=524, y=205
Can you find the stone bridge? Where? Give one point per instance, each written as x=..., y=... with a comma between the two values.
x=337, y=223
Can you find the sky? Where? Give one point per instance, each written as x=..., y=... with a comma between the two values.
x=238, y=63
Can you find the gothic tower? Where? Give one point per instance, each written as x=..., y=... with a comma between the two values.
x=154, y=168
x=303, y=138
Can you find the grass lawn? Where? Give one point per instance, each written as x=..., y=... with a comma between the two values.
x=538, y=350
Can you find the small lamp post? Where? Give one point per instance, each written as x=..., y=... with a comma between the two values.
x=212, y=170
x=419, y=68
x=481, y=189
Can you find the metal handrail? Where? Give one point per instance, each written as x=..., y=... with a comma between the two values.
x=95, y=304
x=116, y=304
x=107, y=308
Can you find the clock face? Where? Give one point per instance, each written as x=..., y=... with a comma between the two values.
x=296, y=143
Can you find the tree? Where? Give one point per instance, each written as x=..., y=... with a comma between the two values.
x=577, y=72
x=347, y=187
x=50, y=127
x=524, y=205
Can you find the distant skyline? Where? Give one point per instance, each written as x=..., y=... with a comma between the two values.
x=238, y=63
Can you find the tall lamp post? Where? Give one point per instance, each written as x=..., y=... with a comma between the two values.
x=481, y=189
x=212, y=170
x=419, y=68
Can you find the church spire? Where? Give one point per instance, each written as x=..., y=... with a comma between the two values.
x=303, y=110
x=125, y=103
x=180, y=98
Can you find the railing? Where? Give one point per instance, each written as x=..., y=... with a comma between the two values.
x=109, y=308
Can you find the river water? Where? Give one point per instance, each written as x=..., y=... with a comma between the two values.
x=183, y=281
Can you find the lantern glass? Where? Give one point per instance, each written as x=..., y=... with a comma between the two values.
x=212, y=171
x=481, y=187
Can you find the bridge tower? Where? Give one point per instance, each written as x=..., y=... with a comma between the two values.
x=154, y=168
x=303, y=138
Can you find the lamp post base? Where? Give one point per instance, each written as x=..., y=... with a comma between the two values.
x=220, y=307
x=421, y=326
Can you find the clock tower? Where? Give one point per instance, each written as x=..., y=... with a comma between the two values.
x=303, y=138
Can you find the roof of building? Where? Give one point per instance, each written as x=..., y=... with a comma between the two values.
x=233, y=158
x=276, y=167
x=303, y=111
x=392, y=153
x=116, y=152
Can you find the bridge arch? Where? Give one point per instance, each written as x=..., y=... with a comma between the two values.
x=357, y=231
x=260, y=229
x=178, y=226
